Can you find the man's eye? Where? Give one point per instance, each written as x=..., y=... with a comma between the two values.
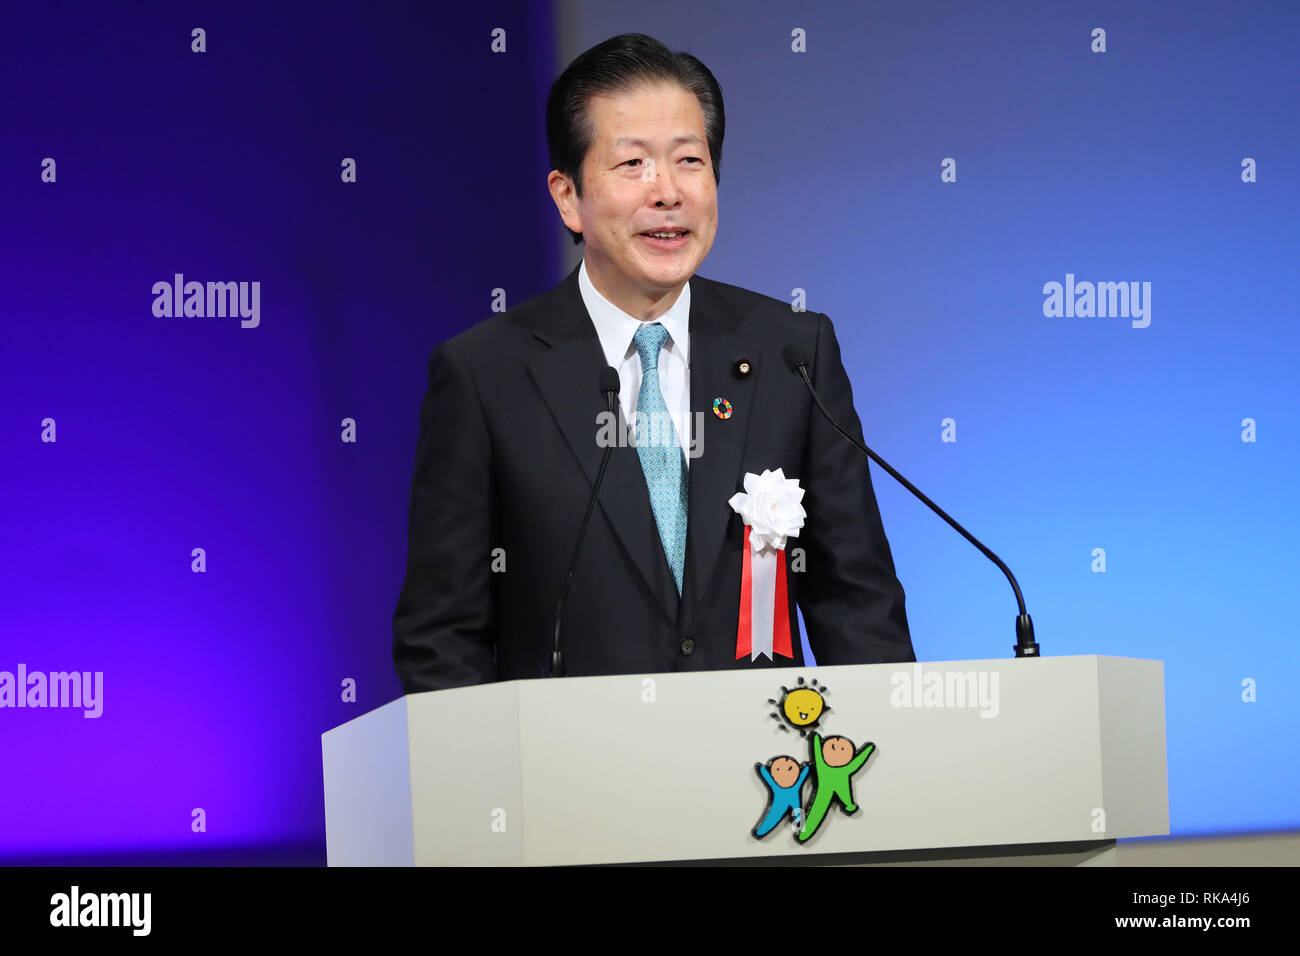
x=630, y=161
x=694, y=159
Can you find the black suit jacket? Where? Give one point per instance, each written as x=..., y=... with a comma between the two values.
x=506, y=459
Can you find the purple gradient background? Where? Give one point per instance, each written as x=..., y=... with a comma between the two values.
x=175, y=433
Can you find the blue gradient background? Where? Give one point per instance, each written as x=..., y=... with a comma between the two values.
x=1073, y=434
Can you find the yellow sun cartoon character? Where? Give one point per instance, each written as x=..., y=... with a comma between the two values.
x=800, y=708
x=803, y=706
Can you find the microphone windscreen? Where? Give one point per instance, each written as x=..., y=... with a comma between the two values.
x=794, y=356
x=609, y=381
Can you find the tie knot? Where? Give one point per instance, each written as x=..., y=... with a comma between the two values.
x=649, y=339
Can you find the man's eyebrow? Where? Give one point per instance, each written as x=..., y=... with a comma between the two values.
x=636, y=141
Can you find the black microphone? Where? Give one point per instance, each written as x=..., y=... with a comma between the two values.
x=609, y=388
x=797, y=359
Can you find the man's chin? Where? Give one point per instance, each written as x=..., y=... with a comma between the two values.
x=668, y=275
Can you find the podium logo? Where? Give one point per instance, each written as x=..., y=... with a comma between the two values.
x=946, y=689
x=84, y=689
x=829, y=769
x=102, y=909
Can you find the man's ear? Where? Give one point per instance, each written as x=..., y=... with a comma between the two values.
x=565, y=198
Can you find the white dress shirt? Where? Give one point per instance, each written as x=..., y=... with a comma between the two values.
x=616, y=330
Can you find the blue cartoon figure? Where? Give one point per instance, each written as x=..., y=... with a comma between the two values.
x=784, y=778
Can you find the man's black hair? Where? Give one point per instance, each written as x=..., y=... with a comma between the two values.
x=616, y=66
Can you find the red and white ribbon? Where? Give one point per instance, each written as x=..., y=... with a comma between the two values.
x=764, y=623
x=771, y=510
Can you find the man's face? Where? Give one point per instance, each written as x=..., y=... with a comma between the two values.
x=648, y=170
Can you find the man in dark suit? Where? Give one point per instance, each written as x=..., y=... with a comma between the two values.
x=511, y=428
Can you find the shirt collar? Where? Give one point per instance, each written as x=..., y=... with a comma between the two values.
x=616, y=328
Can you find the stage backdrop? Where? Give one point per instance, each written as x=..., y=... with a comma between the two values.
x=1058, y=242
x=370, y=174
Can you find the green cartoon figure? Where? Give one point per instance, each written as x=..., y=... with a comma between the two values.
x=834, y=764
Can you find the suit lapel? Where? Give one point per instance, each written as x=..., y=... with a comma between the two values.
x=718, y=340
x=568, y=375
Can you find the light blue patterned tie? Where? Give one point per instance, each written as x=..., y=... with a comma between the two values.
x=660, y=451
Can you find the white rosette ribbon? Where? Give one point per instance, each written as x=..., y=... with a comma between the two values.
x=771, y=509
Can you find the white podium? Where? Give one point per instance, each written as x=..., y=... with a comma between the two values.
x=1046, y=760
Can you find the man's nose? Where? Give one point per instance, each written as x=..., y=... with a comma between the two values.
x=664, y=190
